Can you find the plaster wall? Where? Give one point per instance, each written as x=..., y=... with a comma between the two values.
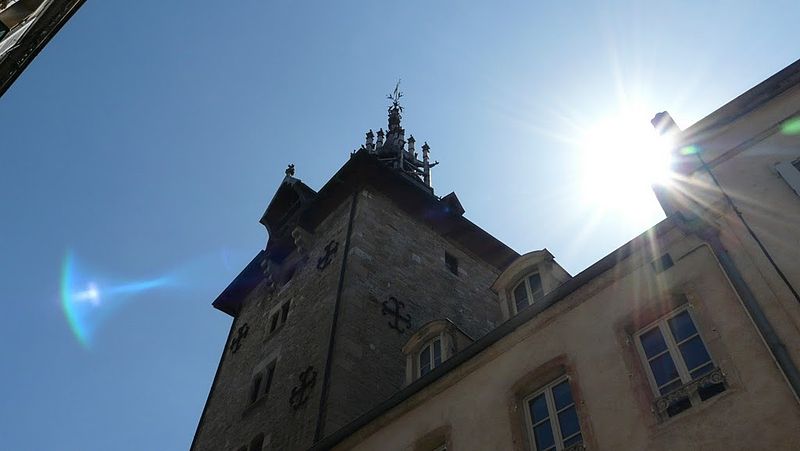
x=742, y=156
x=588, y=336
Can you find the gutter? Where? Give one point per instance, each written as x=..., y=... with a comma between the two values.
x=606, y=263
x=776, y=347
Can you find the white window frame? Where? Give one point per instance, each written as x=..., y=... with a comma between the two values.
x=429, y=344
x=672, y=348
x=790, y=171
x=528, y=291
x=552, y=414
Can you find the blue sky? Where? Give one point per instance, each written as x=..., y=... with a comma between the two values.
x=146, y=140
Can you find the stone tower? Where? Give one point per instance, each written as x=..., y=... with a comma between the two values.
x=322, y=318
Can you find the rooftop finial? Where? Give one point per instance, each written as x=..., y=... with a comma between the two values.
x=289, y=171
x=396, y=95
x=395, y=109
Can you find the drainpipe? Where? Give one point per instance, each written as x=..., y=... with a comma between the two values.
x=665, y=126
x=754, y=310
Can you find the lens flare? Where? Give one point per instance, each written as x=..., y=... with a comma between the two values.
x=623, y=157
x=791, y=127
x=88, y=303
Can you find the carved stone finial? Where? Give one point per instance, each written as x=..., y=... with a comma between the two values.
x=370, y=140
x=380, y=138
x=290, y=170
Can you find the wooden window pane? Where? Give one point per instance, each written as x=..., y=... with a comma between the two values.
x=437, y=353
x=573, y=440
x=538, y=408
x=521, y=297
x=698, y=372
x=682, y=326
x=425, y=361
x=677, y=383
x=568, y=422
x=653, y=342
x=535, y=282
x=694, y=353
x=664, y=369
x=562, y=396
x=543, y=435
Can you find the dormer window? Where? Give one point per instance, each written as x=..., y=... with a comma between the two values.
x=430, y=356
x=432, y=345
x=528, y=291
x=527, y=280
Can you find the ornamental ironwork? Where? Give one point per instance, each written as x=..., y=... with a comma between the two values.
x=330, y=251
x=394, y=308
x=302, y=391
x=241, y=333
x=684, y=393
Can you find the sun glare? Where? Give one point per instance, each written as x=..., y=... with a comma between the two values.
x=623, y=157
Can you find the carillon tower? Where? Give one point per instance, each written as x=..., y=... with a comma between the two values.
x=358, y=282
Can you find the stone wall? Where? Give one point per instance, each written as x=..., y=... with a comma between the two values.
x=229, y=421
x=394, y=255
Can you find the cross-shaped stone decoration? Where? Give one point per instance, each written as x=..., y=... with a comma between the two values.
x=302, y=392
x=241, y=333
x=395, y=312
x=330, y=251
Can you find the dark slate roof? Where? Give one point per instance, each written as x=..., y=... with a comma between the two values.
x=296, y=203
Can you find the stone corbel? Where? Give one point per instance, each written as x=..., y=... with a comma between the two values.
x=303, y=239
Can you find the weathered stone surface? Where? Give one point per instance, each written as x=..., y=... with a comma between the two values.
x=390, y=255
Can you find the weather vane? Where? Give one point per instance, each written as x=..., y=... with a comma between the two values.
x=396, y=95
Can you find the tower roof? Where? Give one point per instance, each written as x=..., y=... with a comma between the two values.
x=393, y=150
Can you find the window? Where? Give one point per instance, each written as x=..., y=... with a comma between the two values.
x=284, y=312
x=257, y=443
x=552, y=418
x=451, y=263
x=790, y=171
x=262, y=382
x=430, y=356
x=528, y=291
x=279, y=316
x=432, y=344
x=274, y=322
x=679, y=367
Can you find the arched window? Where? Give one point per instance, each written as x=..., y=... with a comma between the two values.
x=527, y=280
x=528, y=291
x=430, y=356
x=432, y=345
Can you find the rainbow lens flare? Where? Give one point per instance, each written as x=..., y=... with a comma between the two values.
x=87, y=303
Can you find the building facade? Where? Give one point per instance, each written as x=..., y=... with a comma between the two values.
x=26, y=26
x=379, y=318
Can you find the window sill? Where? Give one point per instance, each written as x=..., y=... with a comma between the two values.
x=690, y=393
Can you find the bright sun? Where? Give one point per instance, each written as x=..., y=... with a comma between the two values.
x=622, y=157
